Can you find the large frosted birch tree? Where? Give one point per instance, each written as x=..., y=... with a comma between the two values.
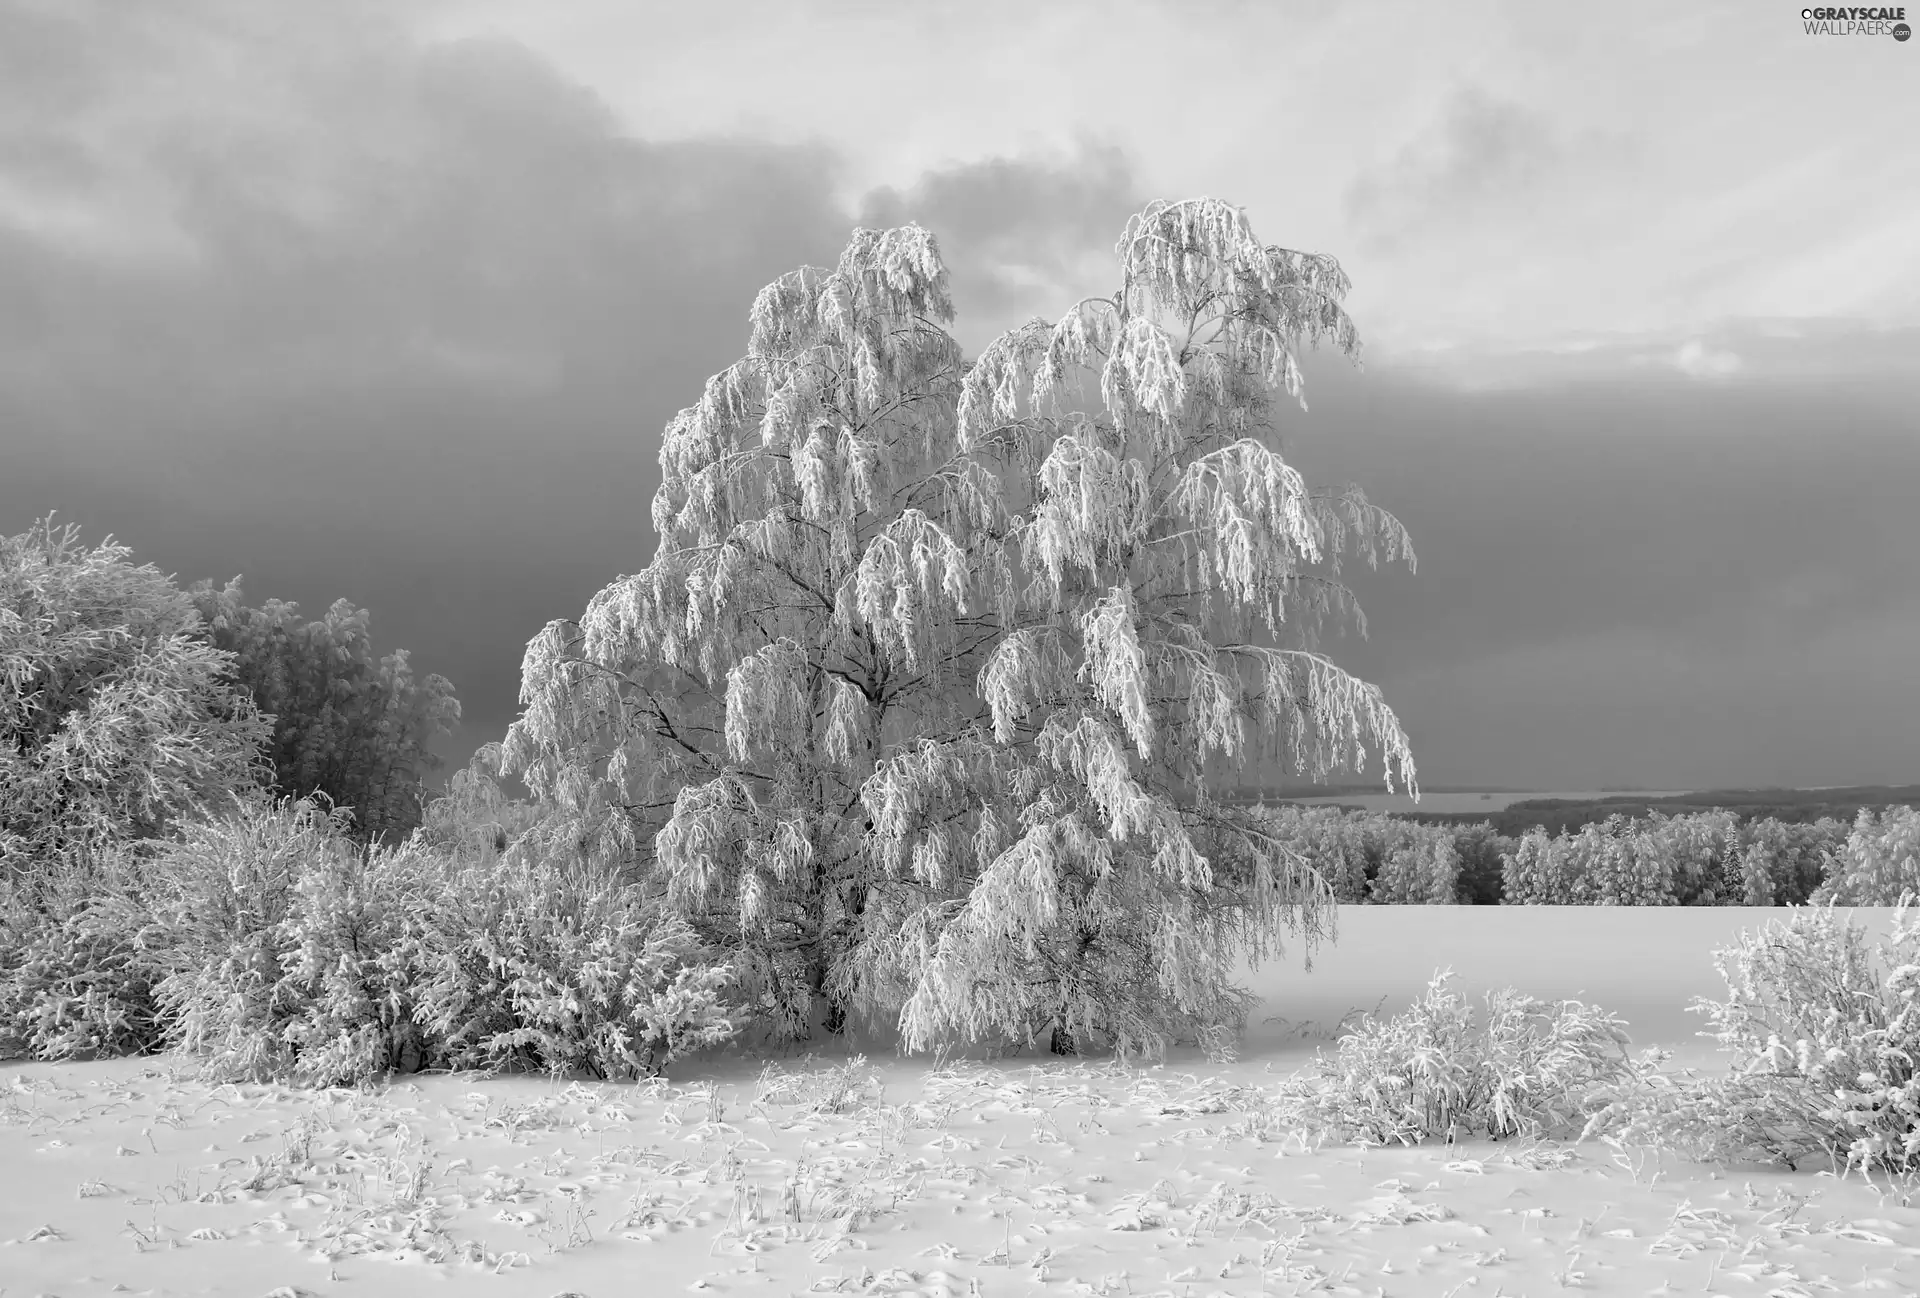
x=917, y=709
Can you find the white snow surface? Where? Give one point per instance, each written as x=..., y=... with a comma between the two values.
x=990, y=1176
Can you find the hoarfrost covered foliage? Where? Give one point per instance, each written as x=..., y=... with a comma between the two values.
x=916, y=710
x=74, y=983
x=1821, y=1044
x=115, y=715
x=1704, y=859
x=1824, y=1045
x=1375, y=858
x=1880, y=861
x=269, y=944
x=1437, y=1071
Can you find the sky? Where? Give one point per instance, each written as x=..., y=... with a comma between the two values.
x=392, y=303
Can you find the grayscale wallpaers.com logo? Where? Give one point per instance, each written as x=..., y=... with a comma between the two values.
x=1857, y=22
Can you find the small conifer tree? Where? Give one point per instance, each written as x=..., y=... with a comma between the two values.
x=920, y=706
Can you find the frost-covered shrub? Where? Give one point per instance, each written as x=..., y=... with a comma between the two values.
x=115, y=719
x=292, y=954
x=352, y=953
x=223, y=891
x=530, y=960
x=1433, y=1072
x=1880, y=861
x=1825, y=1047
x=74, y=983
x=542, y=967
x=271, y=945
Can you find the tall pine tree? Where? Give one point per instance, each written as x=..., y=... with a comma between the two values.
x=918, y=709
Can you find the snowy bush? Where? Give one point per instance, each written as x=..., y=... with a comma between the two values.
x=1825, y=1048
x=531, y=966
x=74, y=983
x=531, y=960
x=115, y=718
x=1433, y=1072
x=290, y=953
x=223, y=891
x=351, y=955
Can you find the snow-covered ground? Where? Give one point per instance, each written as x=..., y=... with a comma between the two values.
x=988, y=1176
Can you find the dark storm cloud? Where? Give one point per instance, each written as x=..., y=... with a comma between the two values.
x=300, y=298
x=411, y=337
x=1652, y=581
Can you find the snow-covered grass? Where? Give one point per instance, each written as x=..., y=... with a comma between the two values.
x=837, y=1173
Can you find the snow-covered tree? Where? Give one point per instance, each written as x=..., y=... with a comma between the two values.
x=116, y=717
x=917, y=708
x=346, y=724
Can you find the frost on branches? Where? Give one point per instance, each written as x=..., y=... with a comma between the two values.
x=916, y=710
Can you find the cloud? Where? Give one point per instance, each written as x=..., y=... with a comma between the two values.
x=1669, y=584
x=1495, y=177
x=1761, y=351
x=386, y=212
x=1629, y=706
x=289, y=292
x=419, y=311
x=1696, y=360
x=1677, y=509
x=1479, y=155
x=1021, y=234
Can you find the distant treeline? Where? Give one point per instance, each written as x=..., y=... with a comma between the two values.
x=1693, y=858
x=1558, y=816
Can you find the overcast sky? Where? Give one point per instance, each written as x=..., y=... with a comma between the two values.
x=391, y=303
